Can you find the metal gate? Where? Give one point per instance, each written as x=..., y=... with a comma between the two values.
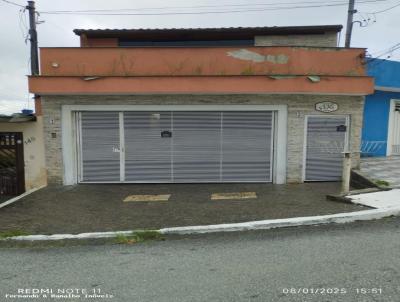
x=12, y=178
x=396, y=130
x=326, y=139
x=179, y=146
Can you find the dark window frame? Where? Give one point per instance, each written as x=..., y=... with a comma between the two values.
x=183, y=43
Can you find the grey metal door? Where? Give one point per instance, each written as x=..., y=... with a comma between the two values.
x=100, y=146
x=148, y=145
x=326, y=140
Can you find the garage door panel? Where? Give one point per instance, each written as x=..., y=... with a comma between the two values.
x=247, y=146
x=100, y=145
x=147, y=153
x=147, y=172
x=196, y=146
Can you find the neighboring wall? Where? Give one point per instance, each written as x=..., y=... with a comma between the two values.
x=325, y=40
x=377, y=105
x=35, y=171
x=376, y=120
x=385, y=72
x=298, y=107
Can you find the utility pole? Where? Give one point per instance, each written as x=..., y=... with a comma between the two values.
x=349, y=27
x=33, y=38
x=346, y=173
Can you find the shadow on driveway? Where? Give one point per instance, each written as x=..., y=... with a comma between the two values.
x=89, y=208
x=4, y=198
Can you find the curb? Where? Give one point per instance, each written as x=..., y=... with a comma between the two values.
x=346, y=197
x=367, y=182
x=14, y=199
x=286, y=222
x=369, y=190
x=232, y=227
x=339, y=198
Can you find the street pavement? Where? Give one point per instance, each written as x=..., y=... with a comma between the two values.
x=350, y=262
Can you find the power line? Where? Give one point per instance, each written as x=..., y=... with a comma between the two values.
x=372, y=15
x=92, y=13
x=388, y=51
x=201, y=6
x=12, y=3
x=394, y=48
x=381, y=11
x=385, y=10
x=23, y=25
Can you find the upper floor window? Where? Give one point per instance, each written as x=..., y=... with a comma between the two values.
x=184, y=43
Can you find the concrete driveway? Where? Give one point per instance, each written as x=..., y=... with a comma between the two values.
x=4, y=198
x=89, y=208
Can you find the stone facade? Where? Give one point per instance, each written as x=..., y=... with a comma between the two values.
x=298, y=107
x=328, y=39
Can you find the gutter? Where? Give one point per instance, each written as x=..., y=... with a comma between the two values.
x=387, y=89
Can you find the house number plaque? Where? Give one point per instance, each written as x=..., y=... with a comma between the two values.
x=326, y=107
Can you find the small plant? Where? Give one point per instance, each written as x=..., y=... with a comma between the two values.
x=382, y=183
x=248, y=71
x=198, y=70
x=12, y=233
x=123, y=239
x=147, y=235
x=138, y=236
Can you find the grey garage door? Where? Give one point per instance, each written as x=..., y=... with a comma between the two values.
x=326, y=137
x=180, y=146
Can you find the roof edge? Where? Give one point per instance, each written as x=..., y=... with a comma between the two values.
x=273, y=29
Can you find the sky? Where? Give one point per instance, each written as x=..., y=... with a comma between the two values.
x=56, y=30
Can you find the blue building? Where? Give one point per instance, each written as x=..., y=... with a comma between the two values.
x=381, y=129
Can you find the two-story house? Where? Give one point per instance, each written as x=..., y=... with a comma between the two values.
x=265, y=104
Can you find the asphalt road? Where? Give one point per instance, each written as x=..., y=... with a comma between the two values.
x=328, y=262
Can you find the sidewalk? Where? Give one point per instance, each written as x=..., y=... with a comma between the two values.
x=382, y=168
x=378, y=200
x=96, y=208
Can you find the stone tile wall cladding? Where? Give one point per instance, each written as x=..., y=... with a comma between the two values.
x=298, y=107
x=323, y=40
